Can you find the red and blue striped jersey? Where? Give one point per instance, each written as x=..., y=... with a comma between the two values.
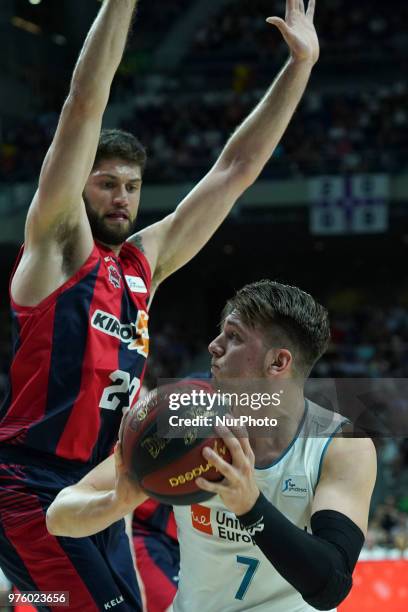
x=79, y=359
x=153, y=518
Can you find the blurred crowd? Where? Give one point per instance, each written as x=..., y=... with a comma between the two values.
x=346, y=30
x=372, y=343
x=23, y=146
x=171, y=350
x=157, y=19
x=184, y=120
x=388, y=526
x=358, y=132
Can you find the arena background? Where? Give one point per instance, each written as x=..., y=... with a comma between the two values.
x=328, y=214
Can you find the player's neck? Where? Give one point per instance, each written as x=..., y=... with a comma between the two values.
x=115, y=248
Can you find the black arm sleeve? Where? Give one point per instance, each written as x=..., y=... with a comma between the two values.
x=318, y=565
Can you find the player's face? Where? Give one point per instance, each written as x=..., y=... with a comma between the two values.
x=112, y=195
x=238, y=351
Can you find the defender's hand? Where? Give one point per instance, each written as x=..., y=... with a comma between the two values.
x=298, y=30
x=238, y=490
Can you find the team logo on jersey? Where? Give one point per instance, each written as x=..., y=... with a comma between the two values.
x=201, y=518
x=114, y=276
x=135, y=335
x=294, y=486
x=221, y=524
x=136, y=284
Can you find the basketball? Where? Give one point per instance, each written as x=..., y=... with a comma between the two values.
x=166, y=458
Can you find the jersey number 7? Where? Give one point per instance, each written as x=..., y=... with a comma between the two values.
x=253, y=565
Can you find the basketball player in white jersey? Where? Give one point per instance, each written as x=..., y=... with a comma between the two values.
x=284, y=531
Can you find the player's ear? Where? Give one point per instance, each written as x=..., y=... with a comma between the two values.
x=277, y=361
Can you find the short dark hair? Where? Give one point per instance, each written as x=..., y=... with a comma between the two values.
x=118, y=143
x=290, y=317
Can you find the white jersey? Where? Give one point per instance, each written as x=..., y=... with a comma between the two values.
x=222, y=570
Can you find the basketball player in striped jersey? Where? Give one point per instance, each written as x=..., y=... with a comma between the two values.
x=80, y=293
x=287, y=524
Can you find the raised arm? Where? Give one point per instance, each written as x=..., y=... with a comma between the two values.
x=175, y=240
x=57, y=213
x=102, y=497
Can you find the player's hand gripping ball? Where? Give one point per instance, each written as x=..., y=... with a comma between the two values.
x=165, y=460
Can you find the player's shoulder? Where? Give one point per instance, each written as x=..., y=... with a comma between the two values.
x=320, y=422
x=351, y=455
x=352, y=444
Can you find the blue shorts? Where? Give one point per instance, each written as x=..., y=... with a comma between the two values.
x=97, y=571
